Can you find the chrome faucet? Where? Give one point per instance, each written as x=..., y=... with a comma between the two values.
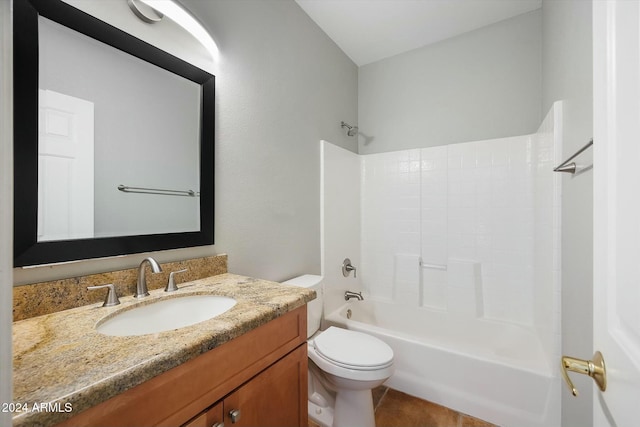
x=349, y=294
x=348, y=268
x=111, y=298
x=141, y=287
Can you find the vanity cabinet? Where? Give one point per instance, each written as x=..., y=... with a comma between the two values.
x=262, y=374
x=269, y=399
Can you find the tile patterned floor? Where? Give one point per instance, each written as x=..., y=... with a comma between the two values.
x=396, y=409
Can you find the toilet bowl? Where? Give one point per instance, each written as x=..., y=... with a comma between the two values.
x=344, y=366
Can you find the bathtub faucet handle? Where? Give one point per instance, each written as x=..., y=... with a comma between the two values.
x=348, y=268
x=349, y=294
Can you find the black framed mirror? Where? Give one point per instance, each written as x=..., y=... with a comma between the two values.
x=171, y=107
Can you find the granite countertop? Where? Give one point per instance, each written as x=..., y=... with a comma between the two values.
x=62, y=364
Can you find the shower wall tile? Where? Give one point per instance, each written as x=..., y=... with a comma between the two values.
x=390, y=223
x=484, y=154
x=434, y=219
x=406, y=278
x=490, y=218
x=433, y=288
x=477, y=205
x=464, y=295
x=484, y=202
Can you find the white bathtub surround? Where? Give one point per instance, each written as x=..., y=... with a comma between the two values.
x=470, y=201
x=464, y=288
x=460, y=254
x=340, y=220
x=547, y=235
x=486, y=203
x=492, y=370
x=406, y=278
x=434, y=286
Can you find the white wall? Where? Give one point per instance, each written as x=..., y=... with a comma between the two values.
x=484, y=84
x=340, y=192
x=281, y=86
x=6, y=207
x=567, y=75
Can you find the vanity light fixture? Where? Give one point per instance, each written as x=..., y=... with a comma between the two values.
x=151, y=11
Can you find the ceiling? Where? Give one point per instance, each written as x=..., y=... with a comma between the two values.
x=371, y=30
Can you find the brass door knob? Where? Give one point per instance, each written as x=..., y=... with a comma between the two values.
x=594, y=368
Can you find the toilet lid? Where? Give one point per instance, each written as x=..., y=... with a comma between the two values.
x=354, y=350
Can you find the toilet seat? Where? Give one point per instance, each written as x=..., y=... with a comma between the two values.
x=353, y=350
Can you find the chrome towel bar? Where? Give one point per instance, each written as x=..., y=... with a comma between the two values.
x=571, y=167
x=433, y=266
x=187, y=193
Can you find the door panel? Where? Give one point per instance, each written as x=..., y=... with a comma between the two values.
x=276, y=397
x=65, y=167
x=617, y=208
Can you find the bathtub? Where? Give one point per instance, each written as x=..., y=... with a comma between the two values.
x=488, y=369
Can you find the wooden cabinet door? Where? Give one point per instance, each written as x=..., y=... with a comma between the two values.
x=276, y=397
x=212, y=417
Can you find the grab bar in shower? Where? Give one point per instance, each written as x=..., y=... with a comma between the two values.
x=433, y=266
x=187, y=193
x=571, y=167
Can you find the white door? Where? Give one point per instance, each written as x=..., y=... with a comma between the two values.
x=65, y=167
x=616, y=297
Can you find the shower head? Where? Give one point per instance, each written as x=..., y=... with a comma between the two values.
x=351, y=130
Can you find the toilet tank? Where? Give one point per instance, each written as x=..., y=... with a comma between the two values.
x=314, y=308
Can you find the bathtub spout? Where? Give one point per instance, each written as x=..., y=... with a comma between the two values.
x=349, y=294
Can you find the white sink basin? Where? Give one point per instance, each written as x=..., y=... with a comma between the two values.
x=166, y=315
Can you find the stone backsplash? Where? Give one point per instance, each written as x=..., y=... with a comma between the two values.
x=49, y=297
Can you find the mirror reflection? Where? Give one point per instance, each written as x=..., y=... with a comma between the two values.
x=96, y=109
x=109, y=119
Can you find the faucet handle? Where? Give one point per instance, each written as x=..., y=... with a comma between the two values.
x=111, y=298
x=171, y=284
x=348, y=268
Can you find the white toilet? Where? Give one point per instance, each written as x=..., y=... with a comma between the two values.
x=344, y=366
